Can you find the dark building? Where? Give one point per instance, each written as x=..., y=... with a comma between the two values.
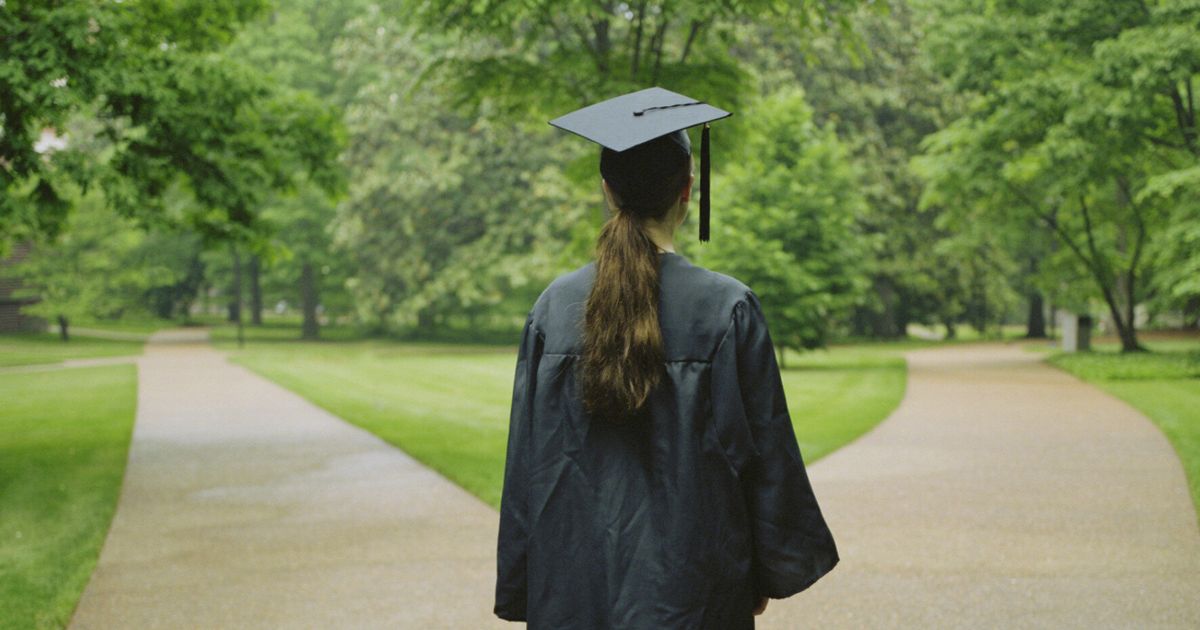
x=11, y=317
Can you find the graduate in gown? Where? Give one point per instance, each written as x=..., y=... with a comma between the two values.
x=652, y=479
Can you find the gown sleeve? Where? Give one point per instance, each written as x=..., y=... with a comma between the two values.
x=512, y=548
x=792, y=545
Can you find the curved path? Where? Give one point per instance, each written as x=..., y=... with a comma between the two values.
x=1003, y=493
x=244, y=506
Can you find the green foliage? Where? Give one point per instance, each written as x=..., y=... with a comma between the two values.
x=448, y=213
x=784, y=220
x=35, y=348
x=294, y=45
x=883, y=102
x=104, y=266
x=231, y=135
x=1078, y=111
x=60, y=57
x=64, y=436
x=599, y=50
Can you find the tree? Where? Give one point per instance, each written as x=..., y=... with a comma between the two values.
x=787, y=206
x=449, y=213
x=59, y=57
x=601, y=49
x=105, y=266
x=1078, y=110
x=295, y=42
x=175, y=115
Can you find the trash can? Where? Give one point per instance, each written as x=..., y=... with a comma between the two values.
x=1076, y=331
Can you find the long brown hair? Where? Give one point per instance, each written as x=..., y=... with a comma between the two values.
x=622, y=341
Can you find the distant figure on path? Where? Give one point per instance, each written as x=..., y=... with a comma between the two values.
x=653, y=480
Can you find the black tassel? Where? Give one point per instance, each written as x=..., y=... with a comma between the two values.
x=704, y=201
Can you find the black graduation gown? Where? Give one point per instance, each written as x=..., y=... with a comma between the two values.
x=679, y=519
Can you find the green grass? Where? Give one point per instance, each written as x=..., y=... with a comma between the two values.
x=447, y=404
x=224, y=335
x=142, y=326
x=967, y=333
x=275, y=330
x=1163, y=384
x=64, y=435
x=34, y=348
x=836, y=395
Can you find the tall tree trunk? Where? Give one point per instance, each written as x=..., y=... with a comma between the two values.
x=1191, y=312
x=1125, y=330
x=1101, y=273
x=637, y=43
x=951, y=330
x=425, y=320
x=236, y=307
x=256, y=305
x=235, y=291
x=1052, y=325
x=900, y=330
x=1129, y=340
x=311, y=328
x=62, y=328
x=1035, y=324
x=885, y=324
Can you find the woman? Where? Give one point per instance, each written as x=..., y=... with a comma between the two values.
x=652, y=479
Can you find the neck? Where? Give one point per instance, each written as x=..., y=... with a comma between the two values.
x=663, y=239
x=662, y=233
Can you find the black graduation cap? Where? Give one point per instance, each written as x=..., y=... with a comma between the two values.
x=637, y=118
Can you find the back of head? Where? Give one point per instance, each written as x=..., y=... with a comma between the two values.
x=622, y=340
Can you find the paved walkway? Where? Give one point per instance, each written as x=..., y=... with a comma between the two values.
x=1003, y=493
x=246, y=507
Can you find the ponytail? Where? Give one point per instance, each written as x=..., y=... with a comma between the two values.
x=622, y=342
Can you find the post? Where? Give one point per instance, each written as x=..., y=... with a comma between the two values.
x=237, y=294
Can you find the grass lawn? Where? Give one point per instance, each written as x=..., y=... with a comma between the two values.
x=448, y=404
x=1163, y=384
x=32, y=348
x=64, y=435
x=836, y=395
x=132, y=325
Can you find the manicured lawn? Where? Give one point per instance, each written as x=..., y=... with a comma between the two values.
x=64, y=435
x=33, y=348
x=836, y=395
x=1164, y=385
x=448, y=405
x=130, y=325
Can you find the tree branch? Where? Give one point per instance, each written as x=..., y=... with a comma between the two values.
x=1050, y=219
x=1087, y=227
x=1191, y=102
x=1160, y=141
x=687, y=46
x=656, y=43
x=1139, y=242
x=637, y=41
x=1185, y=120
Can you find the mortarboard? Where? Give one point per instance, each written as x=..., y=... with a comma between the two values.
x=637, y=118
